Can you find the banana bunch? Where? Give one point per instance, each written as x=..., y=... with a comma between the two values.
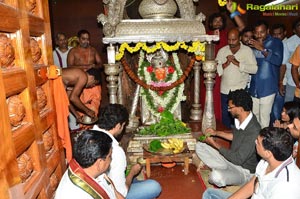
x=175, y=144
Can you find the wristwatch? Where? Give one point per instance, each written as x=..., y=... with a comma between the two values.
x=264, y=50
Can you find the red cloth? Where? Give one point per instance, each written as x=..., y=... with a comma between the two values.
x=61, y=102
x=91, y=97
x=217, y=90
x=82, y=180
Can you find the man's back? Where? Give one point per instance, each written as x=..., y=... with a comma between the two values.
x=73, y=76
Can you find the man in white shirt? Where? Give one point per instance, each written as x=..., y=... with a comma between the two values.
x=235, y=62
x=112, y=120
x=276, y=177
x=92, y=158
x=60, y=53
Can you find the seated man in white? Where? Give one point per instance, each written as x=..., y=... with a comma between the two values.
x=276, y=177
x=112, y=120
x=92, y=158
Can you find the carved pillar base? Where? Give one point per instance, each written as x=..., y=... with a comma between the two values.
x=196, y=112
x=120, y=83
x=134, y=122
x=209, y=119
x=112, y=70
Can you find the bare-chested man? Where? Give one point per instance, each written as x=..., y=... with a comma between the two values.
x=84, y=55
x=75, y=80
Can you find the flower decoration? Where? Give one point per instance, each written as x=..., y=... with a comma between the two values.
x=158, y=101
x=160, y=109
x=171, y=69
x=150, y=69
x=197, y=47
x=160, y=93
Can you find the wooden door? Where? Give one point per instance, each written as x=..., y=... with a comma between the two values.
x=32, y=158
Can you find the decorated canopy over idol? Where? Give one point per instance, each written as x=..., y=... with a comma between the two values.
x=156, y=38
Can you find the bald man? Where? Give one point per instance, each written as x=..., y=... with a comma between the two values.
x=235, y=62
x=75, y=80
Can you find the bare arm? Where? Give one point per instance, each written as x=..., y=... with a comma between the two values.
x=135, y=170
x=238, y=20
x=295, y=75
x=240, y=23
x=72, y=108
x=118, y=194
x=221, y=134
x=281, y=77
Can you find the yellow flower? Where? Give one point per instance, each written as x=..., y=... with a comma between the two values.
x=197, y=47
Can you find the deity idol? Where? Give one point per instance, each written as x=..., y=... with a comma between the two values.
x=158, y=62
x=160, y=72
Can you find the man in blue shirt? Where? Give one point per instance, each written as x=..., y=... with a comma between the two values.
x=264, y=84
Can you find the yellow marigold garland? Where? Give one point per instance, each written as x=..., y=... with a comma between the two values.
x=197, y=47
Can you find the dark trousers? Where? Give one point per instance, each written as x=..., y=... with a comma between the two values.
x=277, y=108
x=227, y=119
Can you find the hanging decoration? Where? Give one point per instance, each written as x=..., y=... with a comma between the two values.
x=197, y=48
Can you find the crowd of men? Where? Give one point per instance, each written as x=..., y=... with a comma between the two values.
x=257, y=94
x=259, y=88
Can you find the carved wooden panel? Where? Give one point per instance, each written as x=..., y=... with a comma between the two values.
x=7, y=52
x=31, y=152
x=25, y=165
x=16, y=110
x=48, y=142
x=41, y=98
x=36, y=51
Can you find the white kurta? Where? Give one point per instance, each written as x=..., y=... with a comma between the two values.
x=118, y=165
x=66, y=189
x=63, y=56
x=234, y=77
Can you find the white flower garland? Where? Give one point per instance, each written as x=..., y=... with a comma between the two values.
x=162, y=101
